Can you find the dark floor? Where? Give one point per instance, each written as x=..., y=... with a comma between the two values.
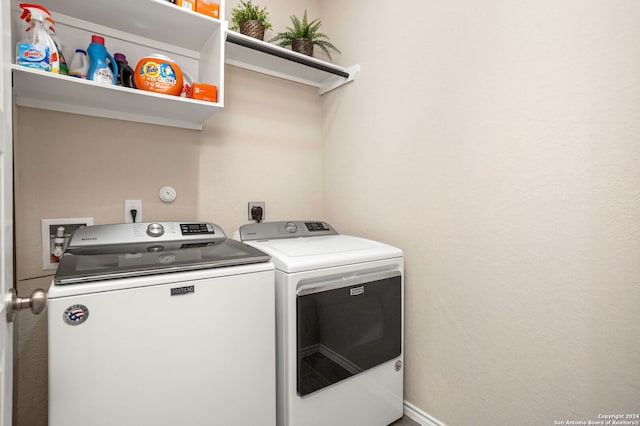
x=405, y=421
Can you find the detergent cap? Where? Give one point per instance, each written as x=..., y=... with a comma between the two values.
x=97, y=39
x=119, y=57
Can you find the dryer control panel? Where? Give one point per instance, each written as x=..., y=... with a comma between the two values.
x=288, y=229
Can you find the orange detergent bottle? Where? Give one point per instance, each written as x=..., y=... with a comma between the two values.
x=159, y=74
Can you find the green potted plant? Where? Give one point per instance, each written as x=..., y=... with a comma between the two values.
x=303, y=36
x=252, y=20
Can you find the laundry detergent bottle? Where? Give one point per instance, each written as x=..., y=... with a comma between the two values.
x=99, y=70
x=37, y=50
x=79, y=64
x=125, y=72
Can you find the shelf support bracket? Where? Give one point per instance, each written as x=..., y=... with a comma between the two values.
x=335, y=81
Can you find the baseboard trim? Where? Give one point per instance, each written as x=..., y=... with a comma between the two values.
x=419, y=416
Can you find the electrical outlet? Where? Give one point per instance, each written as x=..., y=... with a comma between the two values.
x=132, y=205
x=260, y=204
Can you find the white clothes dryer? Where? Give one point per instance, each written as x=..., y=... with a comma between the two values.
x=161, y=324
x=339, y=324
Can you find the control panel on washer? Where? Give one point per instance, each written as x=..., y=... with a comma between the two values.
x=126, y=233
x=196, y=228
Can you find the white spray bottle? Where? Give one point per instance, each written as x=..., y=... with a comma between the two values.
x=38, y=50
x=51, y=27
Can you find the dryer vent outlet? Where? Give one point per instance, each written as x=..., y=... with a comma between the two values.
x=257, y=211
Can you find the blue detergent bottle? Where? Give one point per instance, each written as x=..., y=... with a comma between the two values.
x=99, y=70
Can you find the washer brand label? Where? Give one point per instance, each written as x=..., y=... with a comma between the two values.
x=75, y=314
x=356, y=291
x=178, y=291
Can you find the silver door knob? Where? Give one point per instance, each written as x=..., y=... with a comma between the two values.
x=37, y=302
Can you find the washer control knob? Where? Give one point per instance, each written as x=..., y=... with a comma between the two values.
x=155, y=230
x=290, y=227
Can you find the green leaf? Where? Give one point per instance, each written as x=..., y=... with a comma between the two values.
x=305, y=29
x=247, y=11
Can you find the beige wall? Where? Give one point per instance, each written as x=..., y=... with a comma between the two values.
x=265, y=146
x=498, y=144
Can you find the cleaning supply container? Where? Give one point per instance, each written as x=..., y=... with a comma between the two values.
x=79, y=64
x=51, y=27
x=99, y=70
x=125, y=72
x=159, y=74
x=203, y=92
x=37, y=50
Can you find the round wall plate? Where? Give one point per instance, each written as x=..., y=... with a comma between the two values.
x=168, y=194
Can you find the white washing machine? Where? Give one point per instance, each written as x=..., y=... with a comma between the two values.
x=339, y=324
x=161, y=324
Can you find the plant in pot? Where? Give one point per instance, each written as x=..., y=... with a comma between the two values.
x=303, y=36
x=250, y=19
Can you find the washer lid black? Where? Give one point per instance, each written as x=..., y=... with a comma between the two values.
x=97, y=263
